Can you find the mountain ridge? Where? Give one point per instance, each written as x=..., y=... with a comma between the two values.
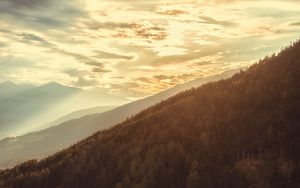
x=238, y=132
x=60, y=136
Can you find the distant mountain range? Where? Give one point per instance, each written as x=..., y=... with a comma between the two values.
x=45, y=142
x=78, y=114
x=25, y=107
x=234, y=133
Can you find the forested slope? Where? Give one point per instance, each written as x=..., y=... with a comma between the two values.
x=239, y=132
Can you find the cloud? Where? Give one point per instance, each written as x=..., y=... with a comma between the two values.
x=12, y=62
x=295, y=24
x=74, y=72
x=108, y=55
x=2, y=44
x=39, y=13
x=101, y=70
x=130, y=29
x=172, y=12
x=8, y=5
x=95, y=25
x=210, y=20
x=129, y=89
x=177, y=59
x=31, y=38
x=154, y=33
x=95, y=64
x=149, y=5
x=144, y=86
x=174, y=78
x=84, y=82
x=98, y=67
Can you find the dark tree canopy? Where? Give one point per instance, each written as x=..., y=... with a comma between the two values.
x=239, y=132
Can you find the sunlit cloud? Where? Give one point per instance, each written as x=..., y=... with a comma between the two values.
x=137, y=48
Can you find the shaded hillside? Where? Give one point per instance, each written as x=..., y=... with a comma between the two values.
x=239, y=132
x=45, y=142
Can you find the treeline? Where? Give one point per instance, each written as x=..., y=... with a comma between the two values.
x=239, y=132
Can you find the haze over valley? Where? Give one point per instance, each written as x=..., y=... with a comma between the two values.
x=25, y=108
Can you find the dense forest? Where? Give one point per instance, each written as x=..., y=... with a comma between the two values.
x=239, y=132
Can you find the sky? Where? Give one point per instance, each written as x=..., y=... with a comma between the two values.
x=136, y=48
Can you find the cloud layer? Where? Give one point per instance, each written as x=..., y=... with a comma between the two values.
x=137, y=48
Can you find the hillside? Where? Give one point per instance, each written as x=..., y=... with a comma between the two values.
x=239, y=132
x=48, y=141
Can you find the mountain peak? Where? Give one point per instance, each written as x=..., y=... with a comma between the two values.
x=7, y=83
x=54, y=84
